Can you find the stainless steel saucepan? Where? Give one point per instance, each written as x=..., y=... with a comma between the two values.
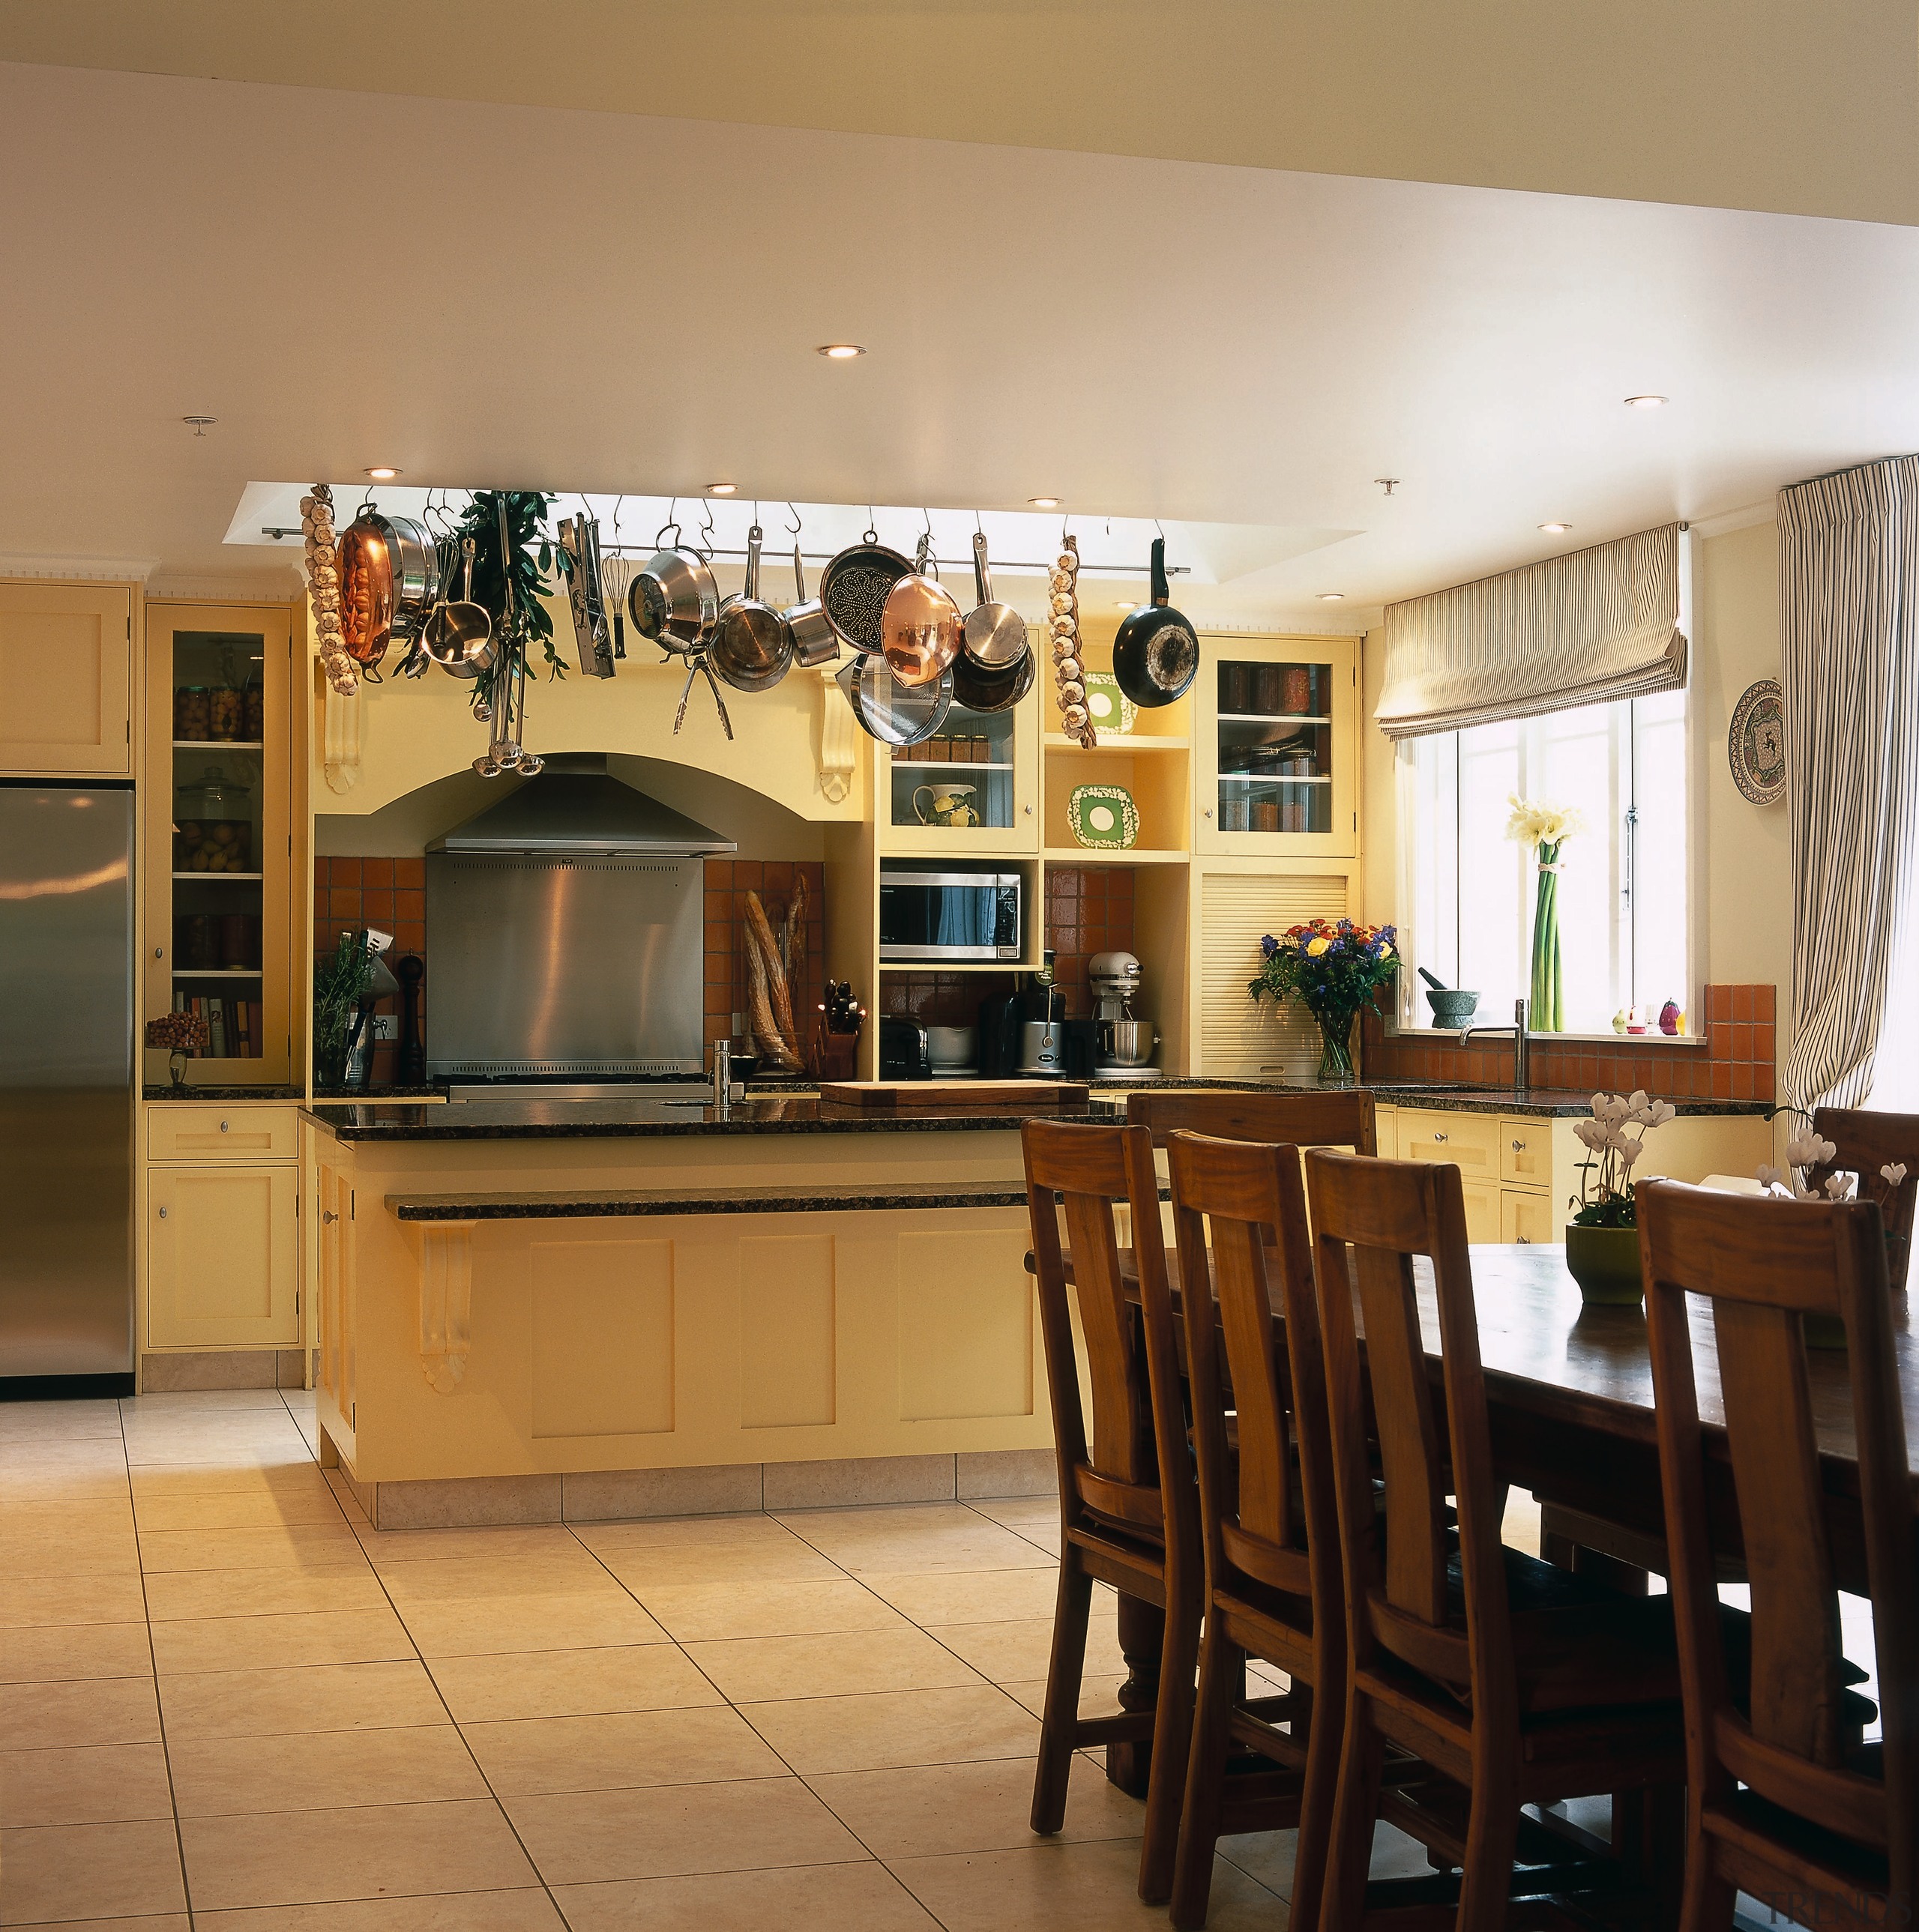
x=750, y=647
x=815, y=640
x=674, y=602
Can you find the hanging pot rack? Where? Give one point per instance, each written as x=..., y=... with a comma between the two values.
x=945, y=563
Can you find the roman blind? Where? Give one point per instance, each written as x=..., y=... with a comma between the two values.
x=1604, y=623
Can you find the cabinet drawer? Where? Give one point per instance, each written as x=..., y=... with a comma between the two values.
x=1481, y=1201
x=1525, y=1215
x=1525, y=1152
x=1471, y=1141
x=240, y=1131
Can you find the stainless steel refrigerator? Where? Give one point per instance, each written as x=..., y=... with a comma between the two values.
x=67, y=1070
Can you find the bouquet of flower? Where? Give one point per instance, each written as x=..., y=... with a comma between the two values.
x=1607, y=1202
x=1545, y=828
x=1805, y=1152
x=1335, y=969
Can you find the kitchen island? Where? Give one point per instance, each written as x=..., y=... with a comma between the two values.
x=530, y=1310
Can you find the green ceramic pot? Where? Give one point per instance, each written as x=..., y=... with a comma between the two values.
x=1604, y=1261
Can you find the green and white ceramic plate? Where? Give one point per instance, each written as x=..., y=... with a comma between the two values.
x=1107, y=705
x=1103, y=815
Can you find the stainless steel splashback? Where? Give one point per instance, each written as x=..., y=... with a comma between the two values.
x=563, y=965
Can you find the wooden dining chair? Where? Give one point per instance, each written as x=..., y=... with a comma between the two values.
x=1519, y=1683
x=1867, y=1141
x=1783, y=1803
x=1268, y=1529
x=1128, y=1500
x=1339, y=1118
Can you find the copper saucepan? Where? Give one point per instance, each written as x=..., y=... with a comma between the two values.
x=920, y=627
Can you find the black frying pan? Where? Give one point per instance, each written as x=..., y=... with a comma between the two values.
x=999, y=689
x=854, y=590
x=1155, y=656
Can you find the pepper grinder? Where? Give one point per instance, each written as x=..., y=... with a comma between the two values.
x=409, y=970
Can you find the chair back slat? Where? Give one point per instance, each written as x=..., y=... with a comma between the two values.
x=1866, y=1142
x=1121, y=1445
x=1371, y=1219
x=1248, y=1195
x=1764, y=1265
x=1343, y=1117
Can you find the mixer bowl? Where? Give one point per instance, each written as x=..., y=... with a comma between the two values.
x=1128, y=1043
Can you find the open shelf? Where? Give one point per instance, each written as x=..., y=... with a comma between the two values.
x=217, y=745
x=1275, y=778
x=1269, y=718
x=925, y=966
x=1118, y=741
x=216, y=973
x=1113, y=855
x=242, y=878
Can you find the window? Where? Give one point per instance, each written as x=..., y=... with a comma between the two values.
x=1623, y=895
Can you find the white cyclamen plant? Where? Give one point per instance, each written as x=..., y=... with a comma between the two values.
x=1607, y=1200
x=1806, y=1150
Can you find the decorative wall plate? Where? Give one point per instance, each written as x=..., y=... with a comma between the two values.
x=1107, y=705
x=1099, y=815
x=1755, y=745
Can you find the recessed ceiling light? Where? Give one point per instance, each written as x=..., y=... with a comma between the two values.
x=1332, y=596
x=382, y=472
x=839, y=351
x=1555, y=530
x=1647, y=402
x=1044, y=502
x=1125, y=607
x=720, y=489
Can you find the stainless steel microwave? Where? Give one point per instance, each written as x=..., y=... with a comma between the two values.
x=934, y=916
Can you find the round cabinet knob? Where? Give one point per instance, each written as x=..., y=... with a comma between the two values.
x=1518, y=1147
x=1525, y=1240
x=163, y=1213
x=1207, y=813
x=1028, y=810
x=223, y=1126
x=326, y=1214
x=1439, y=1137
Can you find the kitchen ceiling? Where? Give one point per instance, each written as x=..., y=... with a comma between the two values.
x=488, y=295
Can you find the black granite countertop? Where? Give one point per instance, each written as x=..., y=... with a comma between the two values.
x=817, y=1199
x=163, y=1091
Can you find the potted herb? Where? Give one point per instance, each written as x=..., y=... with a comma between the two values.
x=339, y=984
x=1335, y=969
x=1602, y=1237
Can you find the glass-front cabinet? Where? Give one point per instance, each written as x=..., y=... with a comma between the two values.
x=972, y=787
x=1276, y=733
x=218, y=866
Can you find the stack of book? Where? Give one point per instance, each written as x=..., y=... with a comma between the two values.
x=232, y=1025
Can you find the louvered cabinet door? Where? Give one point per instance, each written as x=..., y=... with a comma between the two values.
x=1236, y=909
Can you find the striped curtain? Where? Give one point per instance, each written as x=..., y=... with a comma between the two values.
x=1849, y=638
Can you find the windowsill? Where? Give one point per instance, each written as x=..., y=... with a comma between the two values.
x=1495, y=1032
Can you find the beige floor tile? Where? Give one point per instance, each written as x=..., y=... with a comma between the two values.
x=1070, y=1888
x=921, y=1537
x=163, y=1921
x=44, y=1421
x=300, y=1546
x=968, y=1596
x=529, y=1910
x=569, y=1683
x=368, y=1852
x=93, y=1711
x=32, y=1485
x=88, y=1784
x=269, y=1642
x=28, y=1603
x=754, y=1668
x=625, y=1750
x=642, y=1566
x=1017, y=1652
x=679, y=1531
x=280, y=1703
x=578, y=1838
x=1099, y=1697
x=79, y=1457
x=875, y=1732
x=862, y=1897
x=481, y=1626
x=241, y=1509
x=708, y=1611
x=224, y=1776
x=216, y=1402
x=238, y=1449
x=455, y=1579
x=40, y=1548
x=89, y=1871
x=56, y=1650
x=1017, y=1512
x=505, y=1542
x=93, y=1516
x=178, y=1594
x=152, y=1481
x=1268, y=1856
x=929, y=1809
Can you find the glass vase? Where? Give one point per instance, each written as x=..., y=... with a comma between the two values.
x=1335, y=1049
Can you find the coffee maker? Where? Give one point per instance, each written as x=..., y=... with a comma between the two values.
x=1125, y=1045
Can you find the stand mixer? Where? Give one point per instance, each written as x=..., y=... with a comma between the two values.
x=1125, y=1045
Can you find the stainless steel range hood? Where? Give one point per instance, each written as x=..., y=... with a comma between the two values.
x=577, y=808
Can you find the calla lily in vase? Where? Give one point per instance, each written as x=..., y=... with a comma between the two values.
x=1602, y=1238
x=1545, y=828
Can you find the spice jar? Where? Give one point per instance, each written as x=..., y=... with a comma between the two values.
x=1296, y=690
x=226, y=713
x=255, y=728
x=212, y=826
x=192, y=712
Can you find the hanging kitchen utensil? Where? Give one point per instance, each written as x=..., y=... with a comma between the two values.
x=895, y=713
x=616, y=580
x=458, y=636
x=853, y=590
x=815, y=640
x=750, y=647
x=999, y=689
x=508, y=685
x=696, y=663
x=579, y=560
x=920, y=626
x=1156, y=655
x=995, y=634
x=674, y=601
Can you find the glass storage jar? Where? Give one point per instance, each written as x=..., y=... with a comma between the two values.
x=225, y=710
x=192, y=712
x=212, y=826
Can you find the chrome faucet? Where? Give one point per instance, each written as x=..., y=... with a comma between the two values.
x=1520, y=1057
x=723, y=1072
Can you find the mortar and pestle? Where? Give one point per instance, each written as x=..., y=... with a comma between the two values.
x=1451, y=1006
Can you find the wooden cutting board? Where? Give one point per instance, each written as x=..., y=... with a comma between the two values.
x=913, y=1096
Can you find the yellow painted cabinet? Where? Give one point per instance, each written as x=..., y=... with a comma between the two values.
x=66, y=666
x=223, y=1257
x=1482, y=1210
x=970, y=791
x=1526, y=1215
